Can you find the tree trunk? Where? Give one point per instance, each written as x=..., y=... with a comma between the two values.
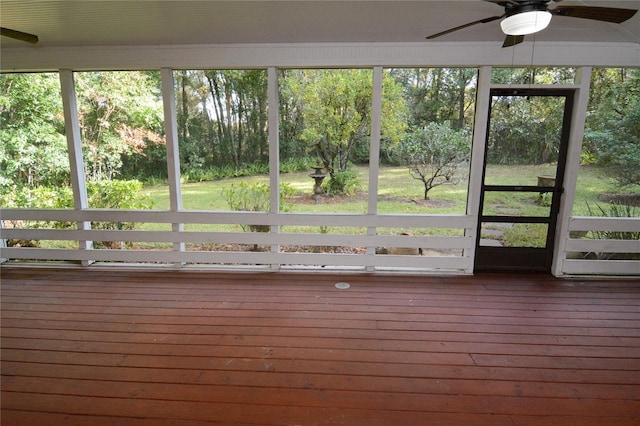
x=219, y=110
x=462, y=82
x=185, y=106
x=228, y=99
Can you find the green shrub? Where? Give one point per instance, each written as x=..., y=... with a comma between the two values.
x=198, y=174
x=257, y=168
x=614, y=210
x=156, y=181
x=108, y=194
x=343, y=182
x=35, y=198
x=262, y=168
x=544, y=199
x=295, y=164
x=587, y=157
x=255, y=197
x=116, y=194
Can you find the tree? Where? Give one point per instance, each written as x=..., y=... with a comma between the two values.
x=290, y=84
x=433, y=154
x=120, y=114
x=620, y=154
x=222, y=119
x=33, y=148
x=438, y=94
x=525, y=130
x=337, y=113
x=612, y=133
x=238, y=100
x=533, y=75
x=197, y=137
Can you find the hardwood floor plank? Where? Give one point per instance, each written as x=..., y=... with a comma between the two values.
x=339, y=338
x=471, y=313
x=16, y=417
x=107, y=347
x=285, y=408
x=573, y=421
x=212, y=376
x=224, y=413
x=262, y=382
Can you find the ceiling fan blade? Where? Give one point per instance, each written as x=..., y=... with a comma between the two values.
x=503, y=3
x=512, y=40
x=19, y=35
x=450, y=30
x=607, y=14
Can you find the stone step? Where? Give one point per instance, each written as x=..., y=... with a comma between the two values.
x=507, y=211
x=491, y=232
x=498, y=225
x=490, y=243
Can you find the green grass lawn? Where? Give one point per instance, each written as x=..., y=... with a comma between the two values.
x=592, y=182
x=398, y=193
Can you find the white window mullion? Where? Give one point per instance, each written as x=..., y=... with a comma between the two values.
x=3, y=244
x=274, y=151
x=483, y=95
x=74, y=146
x=576, y=133
x=374, y=152
x=173, y=153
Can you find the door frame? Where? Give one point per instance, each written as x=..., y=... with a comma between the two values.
x=524, y=259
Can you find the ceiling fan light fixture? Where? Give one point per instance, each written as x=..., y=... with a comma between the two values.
x=526, y=22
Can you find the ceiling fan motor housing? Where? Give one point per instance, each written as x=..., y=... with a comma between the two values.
x=527, y=6
x=525, y=18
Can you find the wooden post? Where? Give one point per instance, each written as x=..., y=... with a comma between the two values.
x=3, y=243
x=578, y=118
x=274, y=152
x=477, y=157
x=374, y=153
x=173, y=153
x=74, y=146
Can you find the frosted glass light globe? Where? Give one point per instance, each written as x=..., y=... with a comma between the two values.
x=526, y=22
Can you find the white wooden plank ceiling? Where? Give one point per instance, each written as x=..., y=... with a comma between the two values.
x=154, y=22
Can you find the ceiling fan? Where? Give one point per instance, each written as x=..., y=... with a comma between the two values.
x=19, y=35
x=522, y=17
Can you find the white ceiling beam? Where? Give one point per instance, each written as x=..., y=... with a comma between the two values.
x=319, y=55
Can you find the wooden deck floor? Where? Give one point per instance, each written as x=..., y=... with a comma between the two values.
x=191, y=348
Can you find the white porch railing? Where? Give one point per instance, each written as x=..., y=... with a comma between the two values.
x=602, y=256
x=446, y=253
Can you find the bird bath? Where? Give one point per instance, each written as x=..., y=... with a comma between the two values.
x=318, y=176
